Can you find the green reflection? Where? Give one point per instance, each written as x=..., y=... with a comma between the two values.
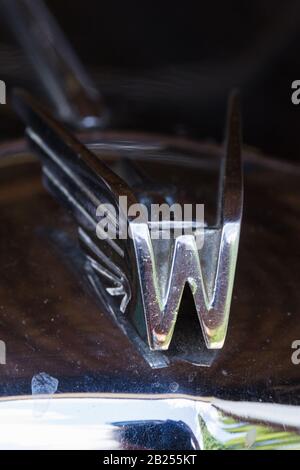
x=232, y=434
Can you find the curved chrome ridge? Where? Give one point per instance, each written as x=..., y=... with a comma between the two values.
x=141, y=281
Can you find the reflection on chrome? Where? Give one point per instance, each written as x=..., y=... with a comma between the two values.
x=97, y=421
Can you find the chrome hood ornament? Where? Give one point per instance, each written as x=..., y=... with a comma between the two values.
x=141, y=280
x=165, y=268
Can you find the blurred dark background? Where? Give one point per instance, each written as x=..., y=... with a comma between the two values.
x=169, y=66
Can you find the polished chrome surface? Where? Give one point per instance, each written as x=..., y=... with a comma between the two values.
x=166, y=266
x=51, y=323
x=76, y=377
x=111, y=422
x=83, y=182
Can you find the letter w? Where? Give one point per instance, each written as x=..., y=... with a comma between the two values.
x=162, y=287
